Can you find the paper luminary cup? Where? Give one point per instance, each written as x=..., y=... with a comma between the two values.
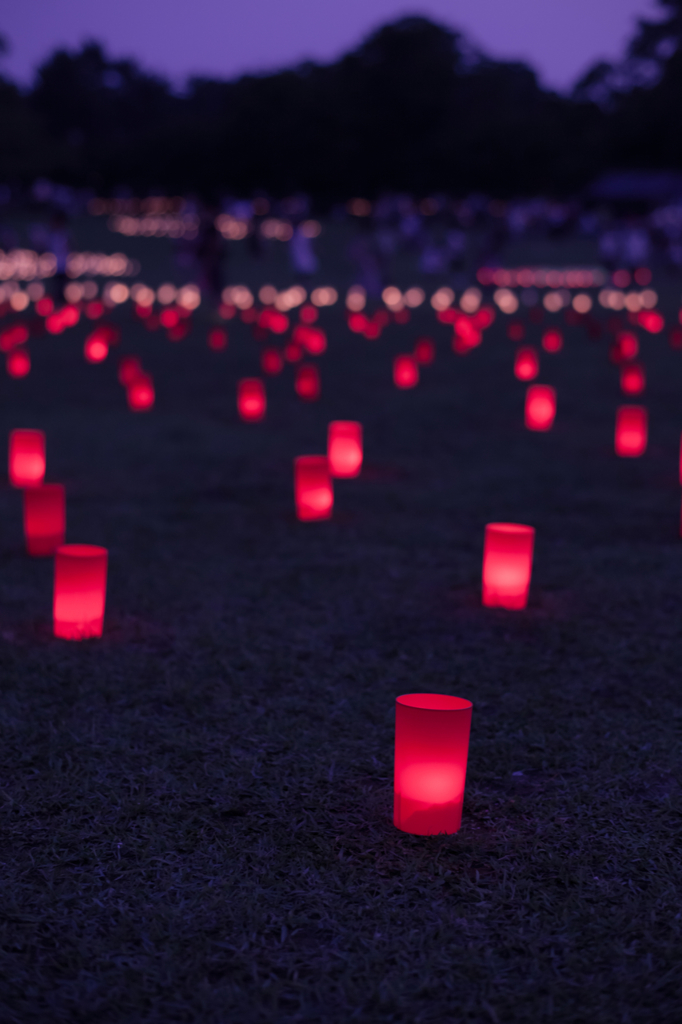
x=632, y=379
x=140, y=393
x=26, y=458
x=44, y=518
x=251, y=399
x=405, y=371
x=344, y=448
x=431, y=748
x=540, y=407
x=526, y=364
x=631, y=431
x=313, y=488
x=307, y=382
x=80, y=587
x=507, y=565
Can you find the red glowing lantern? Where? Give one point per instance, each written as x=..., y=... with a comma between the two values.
x=44, y=518
x=26, y=458
x=651, y=321
x=95, y=349
x=507, y=565
x=279, y=322
x=271, y=361
x=308, y=314
x=13, y=336
x=251, y=399
x=94, y=310
x=344, y=448
x=293, y=352
x=129, y=369
x=631, y=431
x=313, y=339
x=516, y=331
x=675, y=337
x=169, y=317
x=44, y=306
x=405, y=371
x=179, y=332
x=307, y=382
x=632, y=379
x=467, y=334
x=18, y=363
x=553, y=340
x=431, y=751
x=483, y=318
x=313, y=490
x=80, y=587
x=140, y=393
x=358, y=323
x=401, y=316
x=540, y=409
x=424, y=351
x=217, y=339
x=526, y=364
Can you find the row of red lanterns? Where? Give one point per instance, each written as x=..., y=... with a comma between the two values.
x=80, y=570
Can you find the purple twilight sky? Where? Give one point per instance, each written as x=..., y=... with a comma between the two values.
x=224, y=38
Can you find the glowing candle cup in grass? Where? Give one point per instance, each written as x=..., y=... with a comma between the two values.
x=405, y=371
x=251, y=399
x=80, y=588
x=18, y=363
x=140, y=393
x=313, y=489
x=507, y=565
x=631, y=431
x=26, y=458
x=526, y=364
x=44, y=518
x=344, y=448
x=552, y=340
x=632, y=379
x=540, y=409
x=307, y=382
x=431, y=750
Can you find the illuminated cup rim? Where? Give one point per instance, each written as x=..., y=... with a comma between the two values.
x=81, y=550
x=434, y=702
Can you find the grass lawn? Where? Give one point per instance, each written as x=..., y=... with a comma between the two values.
x=196, y=810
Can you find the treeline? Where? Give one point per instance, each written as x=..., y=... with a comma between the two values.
x=414, y=109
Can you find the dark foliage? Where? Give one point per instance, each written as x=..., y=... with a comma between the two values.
x=415, y=108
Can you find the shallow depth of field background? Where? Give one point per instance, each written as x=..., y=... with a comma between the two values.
x=197, y=808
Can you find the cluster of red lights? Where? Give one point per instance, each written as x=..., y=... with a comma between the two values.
x=432, y=730
x=80, y=572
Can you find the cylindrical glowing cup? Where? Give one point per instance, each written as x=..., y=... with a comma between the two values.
x=44, y=518
x=526, y=364
x=140, y=393
x=26, y=458
x=251, y=399
x=80, y=588
x=313, y=489
x=632, y=379
x=631, y=431
x=431, y=749
x=540, y=408
x=405, y=372
x=307, y=382
x=344, y=448
x=507, y=565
